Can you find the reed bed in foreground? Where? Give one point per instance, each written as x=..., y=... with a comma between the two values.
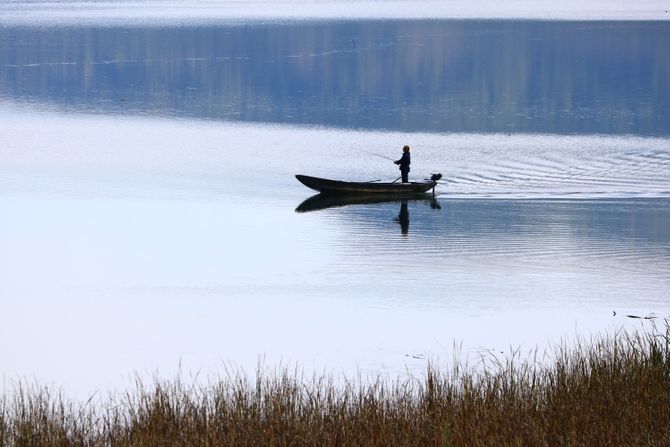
x=614, y=390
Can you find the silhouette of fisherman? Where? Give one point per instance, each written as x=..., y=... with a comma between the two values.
x=404, y=164
x=403, y=218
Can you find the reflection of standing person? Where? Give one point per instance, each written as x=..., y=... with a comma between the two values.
x=403, y=217
x=404, y=164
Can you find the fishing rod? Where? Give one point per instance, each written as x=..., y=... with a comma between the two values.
x=376, y=155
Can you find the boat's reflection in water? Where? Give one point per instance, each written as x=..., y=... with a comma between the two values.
x=325, y=201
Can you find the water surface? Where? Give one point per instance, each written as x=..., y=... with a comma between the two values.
x=150, y=217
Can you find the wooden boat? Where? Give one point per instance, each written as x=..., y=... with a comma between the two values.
x=327, y=186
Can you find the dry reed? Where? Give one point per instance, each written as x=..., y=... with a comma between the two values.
x=613, y=390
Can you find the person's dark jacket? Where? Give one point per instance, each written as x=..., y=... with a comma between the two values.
x=404, y=162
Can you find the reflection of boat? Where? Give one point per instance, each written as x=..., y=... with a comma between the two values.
x=323, y=201
x=341, y=187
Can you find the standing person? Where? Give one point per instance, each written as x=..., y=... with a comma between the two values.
x=404, y=163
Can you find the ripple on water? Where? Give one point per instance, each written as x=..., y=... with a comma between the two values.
x=536, y=166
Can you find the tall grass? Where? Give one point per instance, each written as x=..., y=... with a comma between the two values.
x=613, y=390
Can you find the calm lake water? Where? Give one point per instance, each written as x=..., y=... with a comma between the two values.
x=151, y=220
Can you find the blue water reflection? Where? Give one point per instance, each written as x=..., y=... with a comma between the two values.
x=609, y=247
x=641, y=221
x=444, y=76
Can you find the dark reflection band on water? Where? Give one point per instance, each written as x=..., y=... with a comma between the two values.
x=325, y=201
x=444, y=76
x=616, y=220
x=591, y=235
x=606, y=247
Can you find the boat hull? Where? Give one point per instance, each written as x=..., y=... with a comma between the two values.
x=327, y=186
